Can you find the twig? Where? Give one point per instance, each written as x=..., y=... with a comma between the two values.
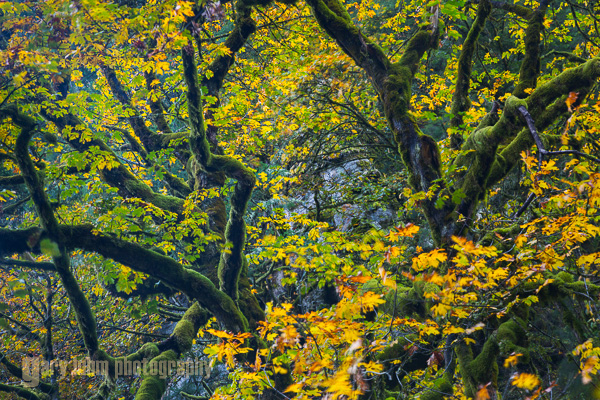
x=44, y=266
x=543, y=152
x=525, y=205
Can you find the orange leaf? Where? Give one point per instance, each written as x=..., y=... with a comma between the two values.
x=482, y=394
x=571, y=99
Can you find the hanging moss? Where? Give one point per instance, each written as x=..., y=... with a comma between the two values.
x=530, y=66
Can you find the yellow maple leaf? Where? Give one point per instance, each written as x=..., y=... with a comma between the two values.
x=440, y=309
x=512, y=360
x=453, y=329
x=525, y=381
x=431, y=259
x=370, y=300
x=294, y=387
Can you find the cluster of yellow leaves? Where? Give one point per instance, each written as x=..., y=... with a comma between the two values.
x=589, y=360
x=230, y=345
x=325, y=351
x=431, y=259
x=525, y=381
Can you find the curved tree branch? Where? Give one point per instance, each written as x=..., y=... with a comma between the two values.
x=60, y=257
x=232, y=258
x=530, y=66
x=460, y=98
x=119, y=176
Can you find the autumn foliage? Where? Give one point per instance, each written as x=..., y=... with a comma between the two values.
x=319, y=199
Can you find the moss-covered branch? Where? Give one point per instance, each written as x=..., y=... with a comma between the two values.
x=480, y=153
x=232, y=257
x=481, y=370
x=244, y=27
x=152, y=141
x=19, y=241
x=565, y=54
x=119, y=176
x=23, y=392
x=158, y=112
x=176, y=184
x=393, y=82
x=153, y=386
x=136, y=121
x=160, y=267
x=333, y=17
x=11, y=180
x=579, y=78
x=530, y=66
x=460, y=99
x=181, y=340
x=516, y=9
x=60, y=257
x=17, y=372
x=546, y=104
x=185, y=331
x=191, y=396
x=40, y=266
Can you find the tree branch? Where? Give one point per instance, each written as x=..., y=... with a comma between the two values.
x=479, y=153
x=175, y=183
x=530, y=66
x=393, y=83
x=180, y=341
x=22, y=392
x=158, y=113
x=42, y=266
x=152, y=141
x=119, y=176
x=546, y=104
x=84, y=315
x=232, y=257
x=11, y=180
x=460, y=99
x=516, y=9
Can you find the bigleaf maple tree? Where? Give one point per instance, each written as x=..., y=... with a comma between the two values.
x=323, y=199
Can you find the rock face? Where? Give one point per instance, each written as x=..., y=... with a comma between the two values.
x=346, y=210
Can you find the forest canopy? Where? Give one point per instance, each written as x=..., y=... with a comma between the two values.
x=302, y=198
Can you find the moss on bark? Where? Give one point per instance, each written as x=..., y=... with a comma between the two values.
x=153, y=386
x=83, y=313
x=460, y=98
x=481, y=370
